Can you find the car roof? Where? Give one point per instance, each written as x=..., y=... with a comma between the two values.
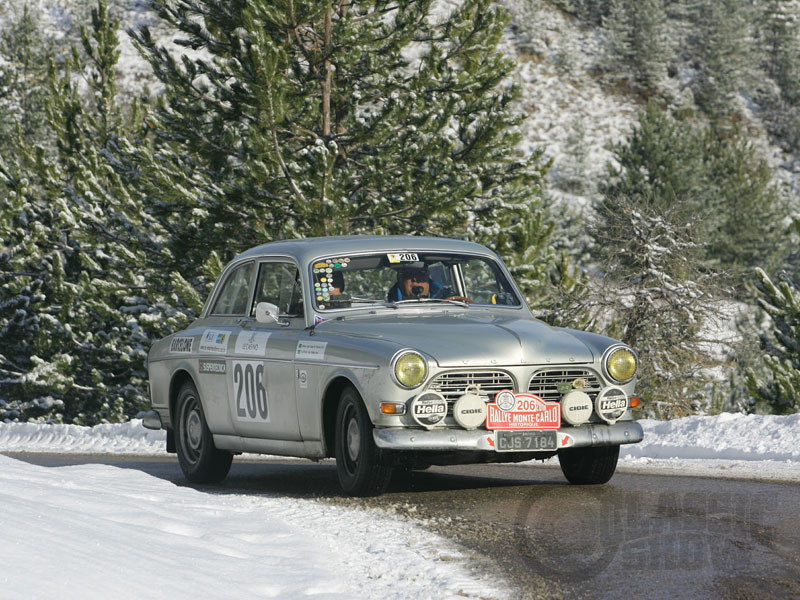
x=307, y=249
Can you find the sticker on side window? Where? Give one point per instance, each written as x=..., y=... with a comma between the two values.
x=403, y=257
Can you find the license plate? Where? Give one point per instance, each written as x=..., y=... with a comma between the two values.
x=525, y=441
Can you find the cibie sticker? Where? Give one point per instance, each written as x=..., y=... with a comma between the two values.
x=214, y=340
x=403, y=257
x=253, y=343
x=530, y=412
x=181, y=345
x=310, y=350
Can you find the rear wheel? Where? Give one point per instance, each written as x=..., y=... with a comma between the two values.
x=586, y=466
x=200, y=460
x=358, y=460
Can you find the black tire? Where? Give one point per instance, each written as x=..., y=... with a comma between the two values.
x=589, y=466
x=199, y=458
x=358, y=459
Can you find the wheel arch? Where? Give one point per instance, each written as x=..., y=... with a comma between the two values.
x=179, y=377
x=330, y=404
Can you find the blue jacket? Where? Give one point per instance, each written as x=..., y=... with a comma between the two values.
x=395, y=293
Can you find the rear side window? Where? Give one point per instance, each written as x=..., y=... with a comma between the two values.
x=232, y=300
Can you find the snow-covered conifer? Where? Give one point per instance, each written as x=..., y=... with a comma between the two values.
x=24, y=54
x=81, y=309
x=638, y=45
x=781, y=301
x=317, y=118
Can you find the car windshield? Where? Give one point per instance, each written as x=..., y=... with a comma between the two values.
x=394, y=278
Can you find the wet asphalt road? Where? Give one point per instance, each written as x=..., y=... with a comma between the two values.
x=637, y=536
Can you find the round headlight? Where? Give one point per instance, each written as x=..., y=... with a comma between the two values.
x=410, y=369
x=621, y=364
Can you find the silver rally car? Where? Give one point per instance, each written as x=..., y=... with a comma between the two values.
x=386, y=352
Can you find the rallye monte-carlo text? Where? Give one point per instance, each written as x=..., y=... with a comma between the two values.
x=383, y=352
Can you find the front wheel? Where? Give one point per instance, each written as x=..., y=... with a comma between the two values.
x=358, y=460
x=200, y=460
x=587, y=466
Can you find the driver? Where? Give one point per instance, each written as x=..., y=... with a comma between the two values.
x=414, y=282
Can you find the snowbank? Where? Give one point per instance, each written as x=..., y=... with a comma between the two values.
x=726, y=436
x=730, y=445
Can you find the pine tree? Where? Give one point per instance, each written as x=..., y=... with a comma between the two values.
x=724, y=47
x=80, y=313
x=299, y=117
x=782, y=303
x=779, y=29
x=658, y=299
x=715, y=178
x=778, y=91
x=656, y=285
x=24, y=54
x=663, y=161
x=744, y=208
x=639, y=47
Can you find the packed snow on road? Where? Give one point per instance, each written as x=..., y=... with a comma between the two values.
x=98, y=531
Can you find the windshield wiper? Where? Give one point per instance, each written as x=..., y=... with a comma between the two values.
x=410, y=300
x=363, y=300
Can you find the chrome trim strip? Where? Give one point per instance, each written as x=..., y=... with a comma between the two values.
x=332, y=364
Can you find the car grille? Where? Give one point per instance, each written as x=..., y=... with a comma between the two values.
x=452, y=385
x=545, y=383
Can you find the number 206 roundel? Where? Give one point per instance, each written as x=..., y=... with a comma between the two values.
x=249, y=391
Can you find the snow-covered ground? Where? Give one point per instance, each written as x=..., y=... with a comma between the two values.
x=97, y=531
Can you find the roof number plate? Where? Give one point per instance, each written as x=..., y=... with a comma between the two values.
x=403, y=257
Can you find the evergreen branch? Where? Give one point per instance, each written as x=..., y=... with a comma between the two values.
x=383, y=216
x=277, y=147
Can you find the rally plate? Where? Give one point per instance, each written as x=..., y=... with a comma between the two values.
x=525, y=441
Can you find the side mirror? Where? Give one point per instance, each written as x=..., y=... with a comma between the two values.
x=266, y=312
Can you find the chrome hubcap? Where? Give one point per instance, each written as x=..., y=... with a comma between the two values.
x=194, y=430
x=353, y=440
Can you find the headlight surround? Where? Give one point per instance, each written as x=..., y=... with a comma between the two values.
x=621, y=363
x=410, y=369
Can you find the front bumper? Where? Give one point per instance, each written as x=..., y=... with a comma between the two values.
x=447, y=440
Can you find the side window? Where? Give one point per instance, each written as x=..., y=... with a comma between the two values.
x=235, y=292
x=279, y=284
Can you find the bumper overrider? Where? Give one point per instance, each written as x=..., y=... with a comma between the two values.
x=622, y=432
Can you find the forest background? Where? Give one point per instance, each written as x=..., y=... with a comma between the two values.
x=634, y=162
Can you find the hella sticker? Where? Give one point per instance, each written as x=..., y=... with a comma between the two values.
x=429, y=409
x=611, y=403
